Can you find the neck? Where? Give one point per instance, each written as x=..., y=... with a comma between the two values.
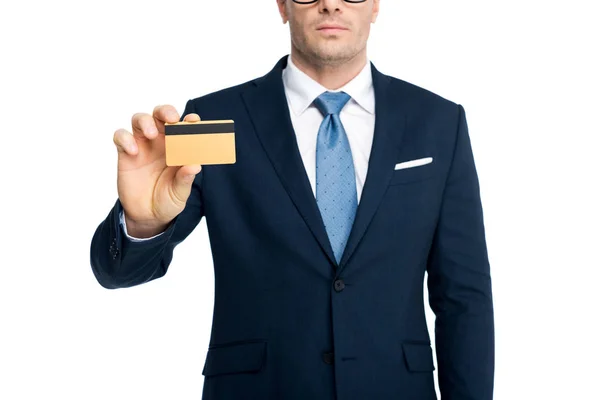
x=332, y=75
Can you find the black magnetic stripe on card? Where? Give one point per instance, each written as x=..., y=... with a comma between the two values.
x=189, y=129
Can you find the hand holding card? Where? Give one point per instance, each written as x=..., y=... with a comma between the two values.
x=152, y=194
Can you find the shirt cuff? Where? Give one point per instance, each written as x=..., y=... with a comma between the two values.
x=133, y=239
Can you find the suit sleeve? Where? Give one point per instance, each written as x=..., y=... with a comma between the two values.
x=459, y=282
x=119, y=262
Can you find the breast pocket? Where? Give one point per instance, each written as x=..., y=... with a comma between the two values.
x=413, y=174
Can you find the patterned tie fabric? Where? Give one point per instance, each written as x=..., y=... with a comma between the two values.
x=336, y=186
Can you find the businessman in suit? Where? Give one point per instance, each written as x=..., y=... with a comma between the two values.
x=349, y=185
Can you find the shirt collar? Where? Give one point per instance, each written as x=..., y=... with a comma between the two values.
x=303, y=90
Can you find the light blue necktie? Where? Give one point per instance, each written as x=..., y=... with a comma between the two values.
x=336, y=186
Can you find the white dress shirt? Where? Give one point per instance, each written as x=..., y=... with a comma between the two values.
x=357, y=116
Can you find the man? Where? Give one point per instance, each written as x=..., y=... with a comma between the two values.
x=348, y=186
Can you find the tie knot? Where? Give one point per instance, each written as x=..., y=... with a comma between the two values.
x=331, y=102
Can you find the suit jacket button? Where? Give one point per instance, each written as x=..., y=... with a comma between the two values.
x=339, y=285
x=328, y=358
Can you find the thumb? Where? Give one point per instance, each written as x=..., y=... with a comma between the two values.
x=184, y=178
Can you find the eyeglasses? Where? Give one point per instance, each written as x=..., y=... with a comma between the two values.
x=314, y=1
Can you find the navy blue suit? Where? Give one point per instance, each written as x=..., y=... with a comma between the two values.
x=289, y=322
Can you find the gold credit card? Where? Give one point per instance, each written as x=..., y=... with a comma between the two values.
x=202, y=142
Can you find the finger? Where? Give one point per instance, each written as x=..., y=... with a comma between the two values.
x=143, y=126
x=164, y=113
x=192, y=118
x=125, y=142
x=187, y=170
x=182, y=184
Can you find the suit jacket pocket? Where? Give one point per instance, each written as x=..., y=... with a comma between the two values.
x=418, y=357
x=412, y=174
x=235, y=358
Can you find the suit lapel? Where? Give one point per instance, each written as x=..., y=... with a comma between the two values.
x=268, y=109
x=390, y=122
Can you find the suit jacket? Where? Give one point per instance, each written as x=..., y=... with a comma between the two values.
x=289, y=322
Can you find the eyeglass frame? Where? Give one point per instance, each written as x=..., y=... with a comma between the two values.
x=314, y=1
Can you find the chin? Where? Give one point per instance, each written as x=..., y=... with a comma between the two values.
x=332, y=55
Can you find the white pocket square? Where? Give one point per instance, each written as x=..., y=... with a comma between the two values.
x=413, y=163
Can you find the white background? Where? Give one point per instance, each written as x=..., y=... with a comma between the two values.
x=72, y=72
